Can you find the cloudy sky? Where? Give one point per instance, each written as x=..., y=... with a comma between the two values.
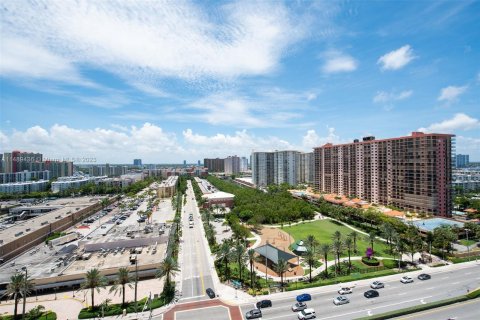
x=168, y=81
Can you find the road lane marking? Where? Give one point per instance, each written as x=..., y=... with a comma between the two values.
x=456, y=282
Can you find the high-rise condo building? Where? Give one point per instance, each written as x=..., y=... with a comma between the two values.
x=305, y=167
x=232, y=165
x=413, y=173
x=137, y=162
x=462, y=160
x=214, y=165
x=275, y=167
x=262, y=168
x=243, y=164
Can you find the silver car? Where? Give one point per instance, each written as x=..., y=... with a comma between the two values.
x=377, y=285
x=340, y=300
x=299, y=306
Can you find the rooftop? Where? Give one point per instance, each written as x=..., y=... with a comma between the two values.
x=432, y=224
x=219, y=195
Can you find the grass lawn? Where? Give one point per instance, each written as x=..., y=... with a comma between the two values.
x=323, y=231
x=467, y=243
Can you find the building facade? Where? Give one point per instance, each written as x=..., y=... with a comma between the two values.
x=24, y=176
x=262, y=168
x=24, y=187
x=137, y=162
x=462, y=160
x=214, y=165
x=232, y=165
x=305, y=167
x=285, y=167
x=413, y=173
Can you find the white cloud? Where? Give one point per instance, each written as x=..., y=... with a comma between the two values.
x=106, y=145
x=459, y=122
x=336, y=61
x=396, y=59
x=451, y=93
x=385, y=97
x=146, y=41
x=311, y=139
x=22, y=58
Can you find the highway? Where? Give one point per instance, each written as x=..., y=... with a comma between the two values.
x=468, y=310
x=195, y=270
x=444, y=284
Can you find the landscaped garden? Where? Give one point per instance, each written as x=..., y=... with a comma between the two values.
x=323, y=230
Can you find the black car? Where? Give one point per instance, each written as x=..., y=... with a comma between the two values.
x=264, y=304
x=254, y=314
x=371, y=294
x=210, y=293
x=424, y=276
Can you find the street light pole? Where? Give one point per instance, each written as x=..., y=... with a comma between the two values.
x=468, y=246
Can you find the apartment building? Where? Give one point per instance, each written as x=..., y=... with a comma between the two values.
x=305, y=167
x=214, y=165
x=275, y=167
x=262, y=168
x=232, y=165
x=462, y=160
x=24, y=187
x=413, y=173
x=24, y=176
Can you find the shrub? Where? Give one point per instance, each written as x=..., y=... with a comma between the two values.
x=372, y=262
x=474, y=294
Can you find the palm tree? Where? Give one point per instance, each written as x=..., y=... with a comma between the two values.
x=168, y=267
x=240, y=257
x=337, y=235
x=354, y=235
x=15, y=288
x=388, y=233
x=400, y=249
x=251, y=259
x=429, y=239
x=325, y=250
x=94, y=281
x=123, y=279
x=310, y=241
x=281, y=268
x=310, y=258
x=371, y=238
x=224, y=254
x=348, y=245
x=337, y=249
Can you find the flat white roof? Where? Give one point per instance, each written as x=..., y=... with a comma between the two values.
x=219, y=195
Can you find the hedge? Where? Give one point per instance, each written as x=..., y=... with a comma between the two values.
x=372, y=262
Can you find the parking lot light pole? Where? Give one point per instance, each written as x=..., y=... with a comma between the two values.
x=24, y=290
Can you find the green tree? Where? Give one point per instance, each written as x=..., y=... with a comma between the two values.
x=224, y=255
x=36, y=312
x=310, y=258
x=123, y=279
x=337, y=247
x=348, y=245
x=443, y=237
x=371, y=237
x=281, y=268
x=167, y=268
x=325, y=250
x=94, y=281
x=14, y=289
x=354, y=236
x=239, y=252
x=251, y=260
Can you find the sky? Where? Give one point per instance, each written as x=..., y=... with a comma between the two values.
x=167, y=81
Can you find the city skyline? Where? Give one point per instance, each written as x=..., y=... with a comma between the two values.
x=188, y=81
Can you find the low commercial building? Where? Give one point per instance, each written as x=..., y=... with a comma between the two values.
x=220, y=198
x=24, y=187
x=167, y=188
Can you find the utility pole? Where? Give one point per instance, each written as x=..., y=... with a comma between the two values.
x=136, y=281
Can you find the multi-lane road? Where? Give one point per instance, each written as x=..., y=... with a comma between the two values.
x=195, y=269
x=396, y=295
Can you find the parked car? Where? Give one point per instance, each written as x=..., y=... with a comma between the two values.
x=304, y=297
x=264, y=304
x=308, y=313
x=254, y=314
x=140, y=220
x=371, y=294
x=210, y=293
x=340, y=300
x=345, y=291
x=406, y=279
x=377, y=285
x=424, y=276
x=299, y=306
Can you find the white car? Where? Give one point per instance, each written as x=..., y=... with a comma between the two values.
x=345, y=291
x=308, y=313
x=299, y=306
x=340, y=300
x=406, y=279
x=377, y=285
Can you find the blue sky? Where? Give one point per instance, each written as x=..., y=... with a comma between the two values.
x=168, y=81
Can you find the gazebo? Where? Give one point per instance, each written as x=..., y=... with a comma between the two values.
x=272, y=254
x=299, y=248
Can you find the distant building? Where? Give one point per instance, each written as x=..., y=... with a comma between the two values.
x=167, y=188
x=305, y=167
x=462, y=160
x=243, y=164
x=198, y=162
x=214, y=165
x=412, y=173
x=184, y=163
x=232, y=165
x=24, y=187
x=24, y=176
x=262, y=168
x=466, y=180
x=137, y=162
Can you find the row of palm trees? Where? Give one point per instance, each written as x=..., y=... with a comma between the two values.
x=20, y=286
